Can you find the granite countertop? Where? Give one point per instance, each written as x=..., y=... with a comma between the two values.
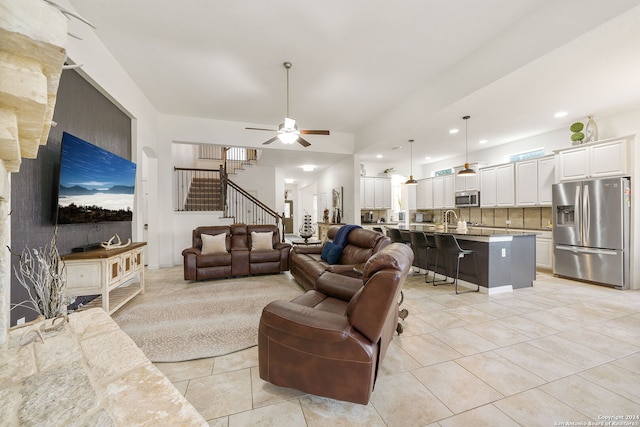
x=474, y=231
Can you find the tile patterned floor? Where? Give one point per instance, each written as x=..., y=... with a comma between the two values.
x=561, y=351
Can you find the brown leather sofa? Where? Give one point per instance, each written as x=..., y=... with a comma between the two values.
x=307, y=266
x=331, y=341
x=238, y=258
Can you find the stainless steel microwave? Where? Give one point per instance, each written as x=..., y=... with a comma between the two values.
x=465, y=199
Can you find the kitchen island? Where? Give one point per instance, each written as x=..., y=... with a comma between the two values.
x=506, y=259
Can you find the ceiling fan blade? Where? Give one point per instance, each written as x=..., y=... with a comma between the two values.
x=270, y=130
x=303, y=142
x=314, y=132
x=269, y=141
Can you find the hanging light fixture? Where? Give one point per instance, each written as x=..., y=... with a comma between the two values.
x=411, y=181
x=467, y=171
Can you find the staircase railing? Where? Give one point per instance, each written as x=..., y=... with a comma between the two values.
x=197, y=189
x=246, y=208
x=212, y=190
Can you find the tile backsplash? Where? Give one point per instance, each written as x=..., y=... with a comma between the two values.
x=528, y=218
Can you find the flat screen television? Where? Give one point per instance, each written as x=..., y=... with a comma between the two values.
x=95, y=185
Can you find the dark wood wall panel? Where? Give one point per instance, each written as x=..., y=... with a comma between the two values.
x=83, y=111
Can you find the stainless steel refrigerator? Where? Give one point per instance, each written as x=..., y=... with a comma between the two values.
x=591, y=230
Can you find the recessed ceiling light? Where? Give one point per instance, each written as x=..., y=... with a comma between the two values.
x=482, y=141
x=452, y=131
x=560, y=114
x=308, y=168
x=289, y=180
x=397, y=147
x=428, y=158
x=378, y=156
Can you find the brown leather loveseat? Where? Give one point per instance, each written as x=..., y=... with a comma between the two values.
x=331, y=341
x=307, y=265
x=235, y=250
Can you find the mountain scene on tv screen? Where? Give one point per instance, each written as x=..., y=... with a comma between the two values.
x=95, y=185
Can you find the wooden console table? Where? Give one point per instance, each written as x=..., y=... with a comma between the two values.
x=108, y=273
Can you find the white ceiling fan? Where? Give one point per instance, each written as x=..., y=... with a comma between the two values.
x=288, y=131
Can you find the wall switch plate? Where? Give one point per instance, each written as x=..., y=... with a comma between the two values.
x=504, y=252
x=508, y=222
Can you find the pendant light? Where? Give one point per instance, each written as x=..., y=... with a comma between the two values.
x=467, y=171
x=411, y=181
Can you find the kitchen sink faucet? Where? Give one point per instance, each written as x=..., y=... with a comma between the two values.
x=446, y=216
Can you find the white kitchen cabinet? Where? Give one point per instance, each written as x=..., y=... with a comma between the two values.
x=527, y=183
x=375, y=193
x=449, y=192
x=488, y=187
x=438, y=192
x=593, y=160
x=534, y=179
x=466, y=183
x=608, y=159
x=505, y=189
x=546, y=179
x=443, y=190
x=544, y=251
x=427, y=193
x=369, y=192
x=424, y=194
x=497, y=186
x=382, y=198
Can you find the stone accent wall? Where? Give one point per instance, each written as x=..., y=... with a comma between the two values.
x=90, y=373
x=32, y=53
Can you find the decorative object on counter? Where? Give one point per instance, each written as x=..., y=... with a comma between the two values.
x=411, y=181
x=338, y=217
x=115, y=243
x=306, y=230
x=387, y=171
x=591, y=131
x=577, y=136
x=467, y=171
x=325, y=215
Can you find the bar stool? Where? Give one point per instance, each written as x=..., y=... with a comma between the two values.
x=405, y=236
x=394, y=235
x=448, y=244
x=420, y=249
x=431, y=242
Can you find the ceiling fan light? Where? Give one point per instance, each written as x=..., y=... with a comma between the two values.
x=290, y=124
x=287, y=137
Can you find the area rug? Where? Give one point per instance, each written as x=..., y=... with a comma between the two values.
x=212, y=319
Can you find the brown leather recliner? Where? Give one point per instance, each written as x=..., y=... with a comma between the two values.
x=238, y=259
x=307, y=266
x=331, y=341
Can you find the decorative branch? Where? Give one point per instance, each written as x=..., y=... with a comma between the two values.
x=42, y=273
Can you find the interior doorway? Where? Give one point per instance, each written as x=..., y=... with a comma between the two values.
x=288, y=216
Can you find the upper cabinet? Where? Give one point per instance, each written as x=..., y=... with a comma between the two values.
x=424, y=194
x=497, y=186
x=604, y=158
x=444, y=192
x=375, y=193
x=466, y=183
x=534, y=179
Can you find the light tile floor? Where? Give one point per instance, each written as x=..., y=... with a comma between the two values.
x=561, y=351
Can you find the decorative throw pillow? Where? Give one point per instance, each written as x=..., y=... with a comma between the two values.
x=261, y=241
x=213, y=244
x=331, y=252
